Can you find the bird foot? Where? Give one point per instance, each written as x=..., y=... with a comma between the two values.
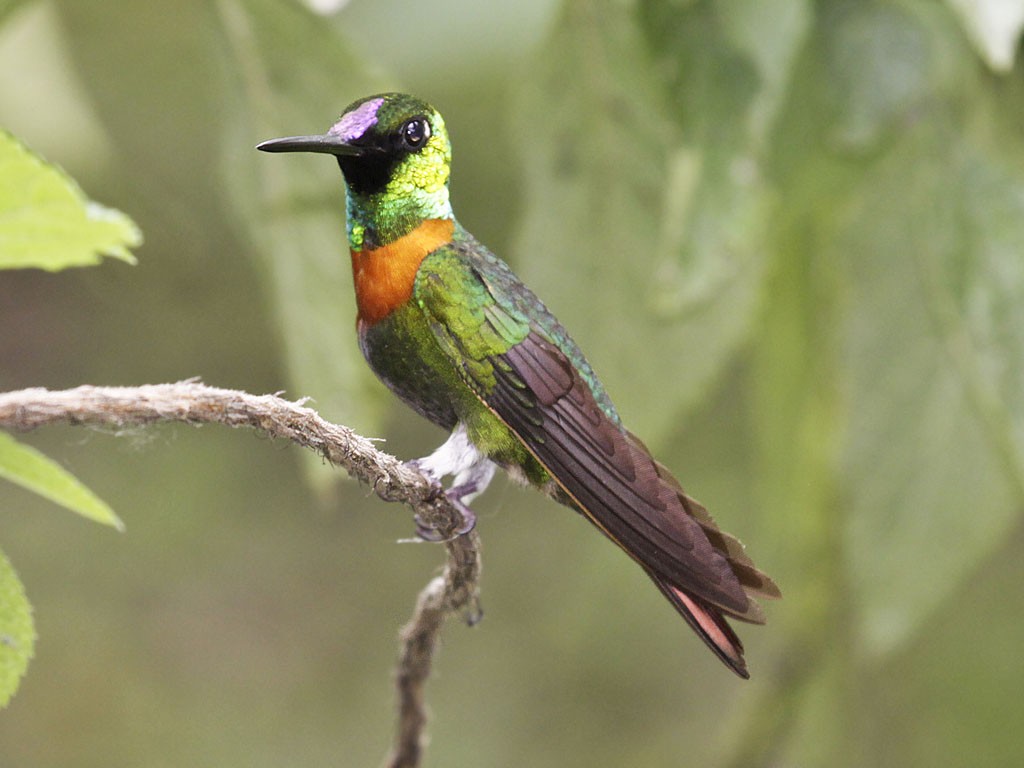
x=424, y=468
x=455, y=496
x=429, y=532
x=472, y=472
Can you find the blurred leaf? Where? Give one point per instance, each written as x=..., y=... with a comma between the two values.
x=657, y=213
x=27, y=467
x=886, y=65
x=47, y=222
x=887, y=371
x=290, y=73
x=878, y=63
x=994, y=26
x=935, y=366
x=17, y=631
x=909, y=217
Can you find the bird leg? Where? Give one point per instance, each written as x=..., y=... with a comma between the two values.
x=471, y=470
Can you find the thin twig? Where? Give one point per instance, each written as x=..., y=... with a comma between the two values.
x=192, y=402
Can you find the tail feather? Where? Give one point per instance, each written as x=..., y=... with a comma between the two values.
x=754, y=582
x=709, y=624
x=705, y=618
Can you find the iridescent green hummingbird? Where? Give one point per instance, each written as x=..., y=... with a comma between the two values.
x=448, y=328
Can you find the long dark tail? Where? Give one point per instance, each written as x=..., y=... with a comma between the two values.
x=706, y=619
x=709, y=624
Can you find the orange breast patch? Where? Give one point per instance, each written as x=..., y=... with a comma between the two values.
x=384, y=276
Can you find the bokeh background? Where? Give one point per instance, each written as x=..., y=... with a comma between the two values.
x=790, y=237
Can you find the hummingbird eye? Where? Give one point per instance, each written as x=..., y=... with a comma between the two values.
x=414, y=133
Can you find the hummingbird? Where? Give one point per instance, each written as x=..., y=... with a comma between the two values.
x=448, y=327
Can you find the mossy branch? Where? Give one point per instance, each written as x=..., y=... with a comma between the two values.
x=191, y=402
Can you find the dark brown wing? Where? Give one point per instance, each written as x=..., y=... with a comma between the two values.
x=614, y=481
x=527, y=380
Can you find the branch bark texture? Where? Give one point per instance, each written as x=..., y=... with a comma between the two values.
x=191, y=402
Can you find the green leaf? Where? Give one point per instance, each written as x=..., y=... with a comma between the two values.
x=17, y=631
x=47, y=222
x=935, y=365
x=294, y=206
x=644, y=188
x=900, y=168
x=888, y=373
x=27, y=467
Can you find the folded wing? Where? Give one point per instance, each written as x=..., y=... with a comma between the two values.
x=519, y=364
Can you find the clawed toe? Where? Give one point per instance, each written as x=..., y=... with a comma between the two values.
x=468, y=517
x=471, y=470
x=428, y=532
x=422, y=467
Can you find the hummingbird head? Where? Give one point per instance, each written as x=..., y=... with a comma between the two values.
x=394, y=152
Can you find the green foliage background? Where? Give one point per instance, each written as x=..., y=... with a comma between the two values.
x=790, y=237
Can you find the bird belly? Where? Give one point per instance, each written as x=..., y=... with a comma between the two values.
x=405, y=357
x=403, y=353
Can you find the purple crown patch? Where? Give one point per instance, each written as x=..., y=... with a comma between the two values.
x=354, y=124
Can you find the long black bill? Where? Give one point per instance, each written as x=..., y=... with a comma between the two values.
x=326, y=144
